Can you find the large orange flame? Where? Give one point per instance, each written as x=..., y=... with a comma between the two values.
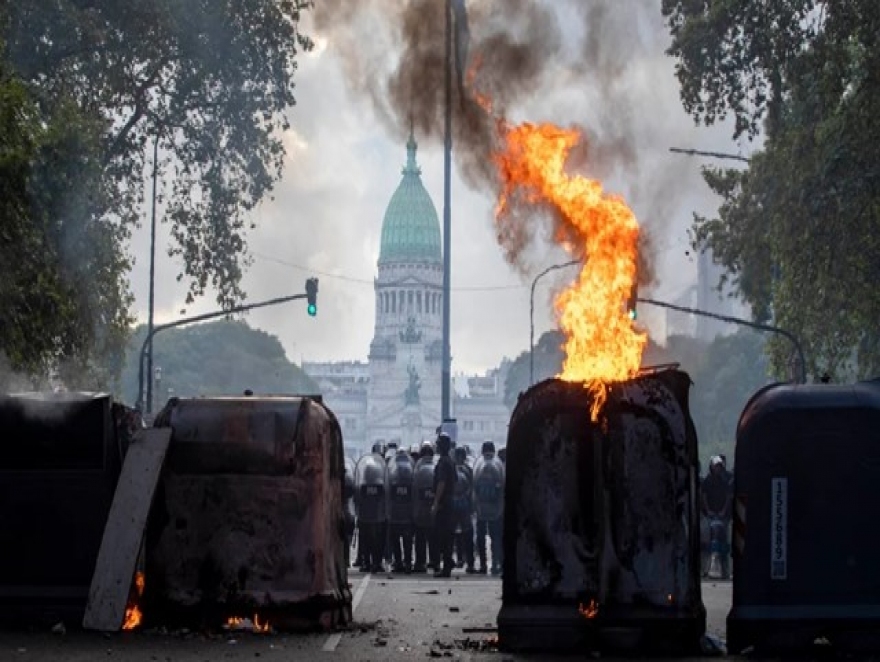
x=602, y=344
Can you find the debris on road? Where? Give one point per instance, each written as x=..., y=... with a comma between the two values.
x=487, y=645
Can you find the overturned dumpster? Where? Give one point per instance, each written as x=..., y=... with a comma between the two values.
x=248, y=520
x=61, y=458
x=805, y=537
x=601, y=528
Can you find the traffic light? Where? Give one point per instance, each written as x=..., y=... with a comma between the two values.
x=312, y=296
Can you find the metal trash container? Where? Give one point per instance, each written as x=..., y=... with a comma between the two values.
x=249, y=518
x=805, y=539
x=60, y=458
x=601, y=520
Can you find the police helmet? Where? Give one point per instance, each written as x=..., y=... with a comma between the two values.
x=488, y=447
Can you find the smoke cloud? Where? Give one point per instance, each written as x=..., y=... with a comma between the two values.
x=522, y=53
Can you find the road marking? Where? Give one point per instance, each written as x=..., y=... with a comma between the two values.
x=334, y=639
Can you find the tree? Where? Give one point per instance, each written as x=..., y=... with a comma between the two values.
x=63, y=289
x=216, y=358
x=796, y=231
x=211, y=80
x=733, y=56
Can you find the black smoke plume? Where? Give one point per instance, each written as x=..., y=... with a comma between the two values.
x=393, y=52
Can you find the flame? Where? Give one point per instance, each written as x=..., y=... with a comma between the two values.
x=261, y=627
x=602, y=344
x=240, y=623
x=590, y=611
x=133, y=615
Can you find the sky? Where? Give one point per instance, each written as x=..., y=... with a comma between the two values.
x=344, y=159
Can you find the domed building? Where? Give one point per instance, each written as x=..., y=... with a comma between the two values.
x=396, y=395
x=407, y=349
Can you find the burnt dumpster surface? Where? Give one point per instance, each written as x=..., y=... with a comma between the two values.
x=805, y=537
x=601, y=528
x=249, y=518
x=60, y=459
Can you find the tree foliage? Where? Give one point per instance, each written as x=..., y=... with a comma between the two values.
x=215, y=358
x=63, y=289
x=797, y=230
x=88, y=90
x=212, y=79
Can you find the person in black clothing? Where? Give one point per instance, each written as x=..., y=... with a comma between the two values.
x=442, y=509
x=717, y=500
x=463, y=504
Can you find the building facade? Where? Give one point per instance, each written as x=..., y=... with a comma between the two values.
x=396, y=395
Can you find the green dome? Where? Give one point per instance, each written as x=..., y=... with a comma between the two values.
x=410, y=231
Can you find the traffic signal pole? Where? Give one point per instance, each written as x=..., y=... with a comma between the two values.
x=737, y=320
x=201, y=318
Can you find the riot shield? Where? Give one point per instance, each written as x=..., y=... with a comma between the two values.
x=371, y=488
x=464, y=484
x=489, y=488
x=348, y=489
x=423, y=491
x=400, y=492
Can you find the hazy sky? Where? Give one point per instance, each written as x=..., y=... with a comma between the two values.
x=344, y=163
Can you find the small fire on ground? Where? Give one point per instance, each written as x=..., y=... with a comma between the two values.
x=254, y=625
x=602, y=343
x=133, y=615
x=590, y=610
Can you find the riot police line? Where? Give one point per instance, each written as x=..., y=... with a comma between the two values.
x=389, y=522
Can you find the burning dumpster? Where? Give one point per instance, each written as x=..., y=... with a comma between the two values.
x=249, y=521
x=805, y=539
x=61, y=458
x=601, y=519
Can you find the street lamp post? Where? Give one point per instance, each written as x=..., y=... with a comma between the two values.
x=532, y=314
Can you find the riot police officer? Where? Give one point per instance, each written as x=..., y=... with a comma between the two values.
x=489, y=503
x=348, y=506
x=445, y=478
x=400, y=510
x=370, y=499
x=423, y=498
x=464, y=512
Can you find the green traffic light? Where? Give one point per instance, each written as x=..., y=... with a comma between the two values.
x=633, y=314
x=312, y=309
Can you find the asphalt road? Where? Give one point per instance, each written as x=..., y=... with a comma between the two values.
x=397, y=617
